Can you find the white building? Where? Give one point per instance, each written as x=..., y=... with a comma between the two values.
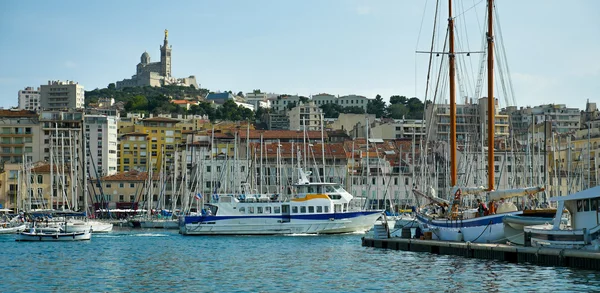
x=258, y=99
x=59, y=95
x=101, y=132
x=281, y=103
x=29, y=99
x=305, y=114
x=344, y=101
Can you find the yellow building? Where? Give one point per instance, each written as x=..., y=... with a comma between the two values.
x=574, y=162
x=127, y=190
x=163, y=136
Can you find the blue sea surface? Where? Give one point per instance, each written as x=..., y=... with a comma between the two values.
x=164, y=261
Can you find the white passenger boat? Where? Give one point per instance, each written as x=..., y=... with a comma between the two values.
x=317, y=208
x=584, y=229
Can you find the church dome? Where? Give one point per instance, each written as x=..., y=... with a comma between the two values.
x=145, y=59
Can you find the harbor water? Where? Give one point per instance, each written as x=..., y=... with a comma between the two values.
x=164, y=261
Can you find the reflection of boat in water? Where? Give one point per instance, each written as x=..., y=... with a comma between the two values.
x=584, y=229
x=317, y=208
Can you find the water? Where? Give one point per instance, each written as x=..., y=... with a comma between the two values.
x=164, y=261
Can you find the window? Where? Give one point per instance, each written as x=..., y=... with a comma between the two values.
x=250, y=210
x=242, y=210
x=259, y=210
x=121, y=198
x=303, y=210
x=311, y=209
x=121, y=185
x=131, y=185
x=326, y=209
x=132, y=198
x=40, y=179
x=108, y=185
x=319, y=209
x=277, y=210
x=267, y=210
x=294, y=210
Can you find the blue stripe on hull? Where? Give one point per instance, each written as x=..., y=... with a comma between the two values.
x=475, y=222
x=336, y=216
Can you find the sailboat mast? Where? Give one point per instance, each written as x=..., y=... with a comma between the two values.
x=491, y=100
x=451, y=56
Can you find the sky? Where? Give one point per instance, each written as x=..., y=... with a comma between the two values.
x=301, y=47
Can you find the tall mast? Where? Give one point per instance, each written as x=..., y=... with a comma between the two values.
x=453, y=171
x=491, y=100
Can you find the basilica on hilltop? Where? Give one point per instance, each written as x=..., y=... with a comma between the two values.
x=156, y=73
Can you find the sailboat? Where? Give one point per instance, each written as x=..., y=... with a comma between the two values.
x=465, y=224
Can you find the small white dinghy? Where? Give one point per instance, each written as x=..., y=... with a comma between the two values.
x=44, y=235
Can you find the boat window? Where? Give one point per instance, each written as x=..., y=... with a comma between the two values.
x=337, y=208
x=267, y=210
x=319, y=209
x=311, y=209
x=242, y=210
x=294, y=210
x=277, y=210
x=303, y=210
x=334, y=196
x=586, y=205
x=250, y=210
x=259, y=210
x=329, y=189
x=345, y=207
x=311, y=189
x=326, y=209
x=595, y=204
x=580, y=205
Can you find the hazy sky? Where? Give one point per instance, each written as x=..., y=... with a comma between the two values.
x=288, y=46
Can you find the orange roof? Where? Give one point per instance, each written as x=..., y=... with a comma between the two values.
x=182, y=102
x=46, y=168
x=17, y=113
x=129, y=176
x=282, y=134
x=160, y=119
x=332, y=150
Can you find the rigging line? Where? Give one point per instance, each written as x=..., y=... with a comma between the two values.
x=465, y=11
x=429, y=74
x=417, y=44
x=467, y=41
x=510, y=84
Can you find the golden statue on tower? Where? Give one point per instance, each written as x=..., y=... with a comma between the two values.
x=166, y=33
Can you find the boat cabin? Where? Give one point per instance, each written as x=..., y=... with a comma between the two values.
x=583, y=207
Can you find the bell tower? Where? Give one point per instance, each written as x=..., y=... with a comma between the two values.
x=165, y=57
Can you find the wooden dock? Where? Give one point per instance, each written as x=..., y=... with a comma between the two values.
x=582, y=259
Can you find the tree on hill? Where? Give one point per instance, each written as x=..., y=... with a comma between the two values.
x=376, y=106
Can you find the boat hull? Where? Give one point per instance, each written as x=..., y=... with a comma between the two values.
x=274, y=225
x=546, y=236
x=514, y=226
x=11, y=230
x=487, y=229
x=54, y=237
x=160, y=224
